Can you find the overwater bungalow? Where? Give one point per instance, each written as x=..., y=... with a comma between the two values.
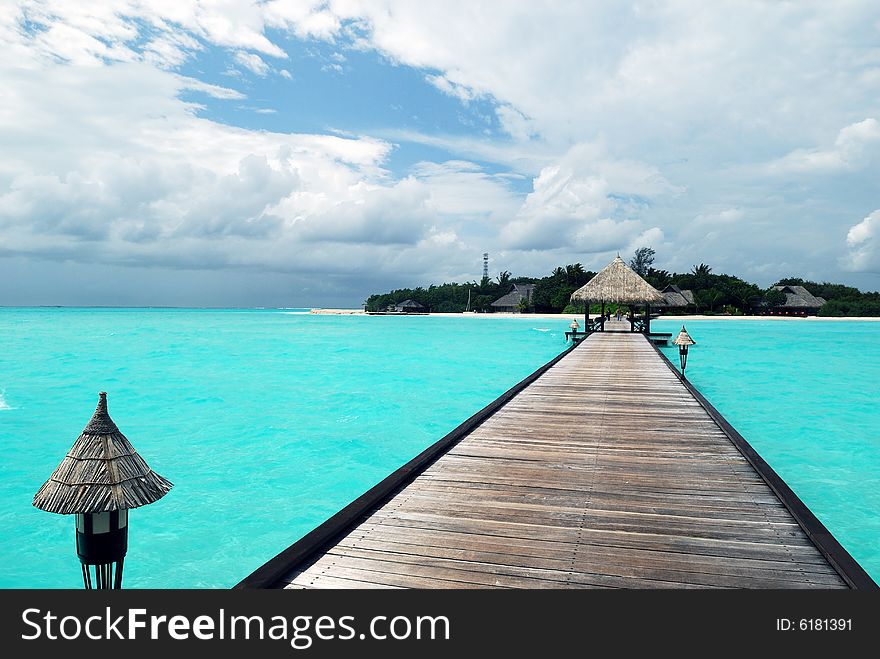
x=510, y=303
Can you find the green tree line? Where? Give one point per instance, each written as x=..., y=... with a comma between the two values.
x=713, y=292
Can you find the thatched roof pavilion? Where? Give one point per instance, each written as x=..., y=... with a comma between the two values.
x=798, y=299
x=617, y=283
x=408, y=306
x=101, y=472
x=510, y=302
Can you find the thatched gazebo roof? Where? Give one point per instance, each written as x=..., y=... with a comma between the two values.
x=101, y=472
x=617, y=283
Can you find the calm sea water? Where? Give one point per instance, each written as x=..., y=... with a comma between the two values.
x=806, y=395
x=268, y=422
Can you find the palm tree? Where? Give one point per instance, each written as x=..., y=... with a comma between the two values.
x=503, y=278
x=747, y=295
x=574, y=272
x=709, y=298
x=658, y=278
x=701, y=270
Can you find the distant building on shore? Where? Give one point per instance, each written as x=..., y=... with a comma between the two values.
x=409, y=306
x=676, y=297
x=510, y=303
x=798, y=302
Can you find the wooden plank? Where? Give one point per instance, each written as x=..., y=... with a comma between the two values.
x=432, y=573
x=585, y=569
x=514, y=534
x=560, y=556
x=659, y=502
x=317, y=580
x=597, y=519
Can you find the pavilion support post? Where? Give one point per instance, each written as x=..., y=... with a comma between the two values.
x=586, y=316
x=647, y=318
x=602, y=322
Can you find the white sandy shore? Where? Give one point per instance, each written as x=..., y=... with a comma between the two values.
x=562, y=316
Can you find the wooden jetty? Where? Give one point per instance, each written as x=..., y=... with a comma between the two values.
x=604, y=469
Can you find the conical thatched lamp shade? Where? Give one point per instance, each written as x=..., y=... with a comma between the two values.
x=619, y=284
x=101, y=472
x=683, y=338
x=683, y=341
x=99, y=480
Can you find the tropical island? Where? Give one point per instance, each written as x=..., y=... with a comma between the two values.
x=699, y=291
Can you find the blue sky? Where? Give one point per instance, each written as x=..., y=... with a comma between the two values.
x=336, y=88
x=309, y=153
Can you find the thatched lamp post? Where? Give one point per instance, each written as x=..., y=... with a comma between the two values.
x=99, y=480
x=683, y=341
x=617, y=283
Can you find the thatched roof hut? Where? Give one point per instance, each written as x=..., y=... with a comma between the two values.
x=101, y=472
x=619, y=284
x=409, y=306
x=798, y=297
x=510, y=302
x=673, y=296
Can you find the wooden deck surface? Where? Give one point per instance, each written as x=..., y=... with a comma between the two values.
x=615, y=325
x=604, y=472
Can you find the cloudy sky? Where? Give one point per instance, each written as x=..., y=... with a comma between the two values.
x=297, y=153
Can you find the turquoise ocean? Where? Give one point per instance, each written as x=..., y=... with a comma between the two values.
x=269, y=421
x=266, y=421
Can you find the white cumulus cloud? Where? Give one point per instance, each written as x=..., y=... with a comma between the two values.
x=863, y=241
x=581, y=202
x=854, y=148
